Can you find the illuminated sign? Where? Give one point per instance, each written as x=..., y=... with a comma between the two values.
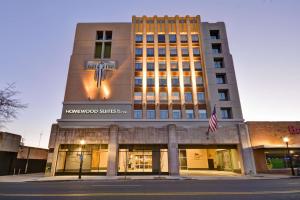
x=95, y=111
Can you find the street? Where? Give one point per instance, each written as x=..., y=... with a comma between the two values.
x=154, y=189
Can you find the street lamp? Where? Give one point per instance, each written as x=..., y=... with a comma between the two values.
x=82, y=142
x=286, y=139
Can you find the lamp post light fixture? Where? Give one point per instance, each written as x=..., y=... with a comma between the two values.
x=82, y=143
x=286, y=140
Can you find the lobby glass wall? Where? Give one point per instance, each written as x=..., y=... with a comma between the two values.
x=94, y=159
x=221, y=159
x=143, y=159
x=279, y=159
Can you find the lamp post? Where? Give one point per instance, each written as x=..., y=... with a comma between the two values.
x=286, y=140
x=82, y=142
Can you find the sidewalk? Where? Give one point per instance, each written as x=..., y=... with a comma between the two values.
x=41, y=177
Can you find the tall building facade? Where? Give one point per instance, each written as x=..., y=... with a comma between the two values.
x=139, y=95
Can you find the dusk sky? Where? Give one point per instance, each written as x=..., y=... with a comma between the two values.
x=36, y=41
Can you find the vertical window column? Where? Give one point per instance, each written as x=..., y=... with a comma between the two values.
x=144, y=66
x=156, y=68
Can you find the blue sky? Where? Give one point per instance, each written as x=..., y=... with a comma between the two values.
x=36, y=40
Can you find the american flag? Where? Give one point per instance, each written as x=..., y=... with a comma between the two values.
x=213, y=121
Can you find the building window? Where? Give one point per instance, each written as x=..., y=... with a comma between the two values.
x=201, y=97
x=150, y=114
x=202, y=114
x=173, y=51
x=189, y=114
x=223, y=95
x=150, y=52
x=138, y=66
x=172, y=38
x=103, y=44
x=175, y=81
x=163, y=96
x=197, y=65
x=187, y=81
x=150, y=66
x=185, y=51
x=214, y=34
x=138, y=38
x=218, y=63
x=184, y=38
x=226, y=113
x=220, y=78
x=161, y=51
x=196, y=51
x=137, y=97
x=176, y=114
x=162, y=66
x=150, y=97
x=163, y=81
x=174, y=66
x=188, y=97
x=138, y=52
x=164, y=114
x=161, y=38
x=186, y=66
x=195, y=38
x=199, y=80
x=150, y=38
x=175, y=96
x=150, y=81
x=138, y=81
x=138, y=114
x=216, y=48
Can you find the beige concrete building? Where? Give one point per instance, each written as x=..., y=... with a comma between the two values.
x=139, y=96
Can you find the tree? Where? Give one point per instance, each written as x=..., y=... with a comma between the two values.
x=9, y=104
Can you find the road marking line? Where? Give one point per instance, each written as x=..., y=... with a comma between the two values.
x=152, y=194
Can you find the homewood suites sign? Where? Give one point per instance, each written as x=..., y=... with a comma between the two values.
x=96, y=111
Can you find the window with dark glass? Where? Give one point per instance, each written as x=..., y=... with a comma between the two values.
x=187, y=80
x=196, y=51
x=98, y=50
x=184, y=38
x=150, y=114
x=202, y=114
x=164, y=114
x=150, y=81
x=161, y=51
x=150, y=66
x=185, y=51
x=172, y=38
x=99, y=35
x=107, y=49
x=163, y=81
x=195, y=38
x=162, y=66
x=220, y=78
x=189, y=114
x=150, y=38
x=138, y=114
x=139, y=52
x=138, y=66
x=218, y=63
x=201, y=97
x=216, y=48
x=138, y=81
x=138, y=38
x=173, y=51
x=176, y=114
x=223, y=95
x=186, y=66
x=197, y=65
x=214, y=34
x=161, y=38
x=188, y=97
x=108, y=35
x=103, y=44
x=174, y=66
x=150, y=52
x=199, y=80
x=226, y=113
x=175, y=81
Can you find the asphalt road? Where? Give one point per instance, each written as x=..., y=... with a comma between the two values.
x=285, y=189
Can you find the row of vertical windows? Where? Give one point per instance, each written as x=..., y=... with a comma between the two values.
x=173, y=66
x=161, y=38
x=176, y=114
x=162, y=51
x=163, y=81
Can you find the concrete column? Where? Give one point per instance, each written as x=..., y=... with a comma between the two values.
x=173, y=151
x=54, y=160
x=112, y=164
x=246, y=150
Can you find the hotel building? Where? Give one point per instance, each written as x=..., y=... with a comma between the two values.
x=139, y=96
